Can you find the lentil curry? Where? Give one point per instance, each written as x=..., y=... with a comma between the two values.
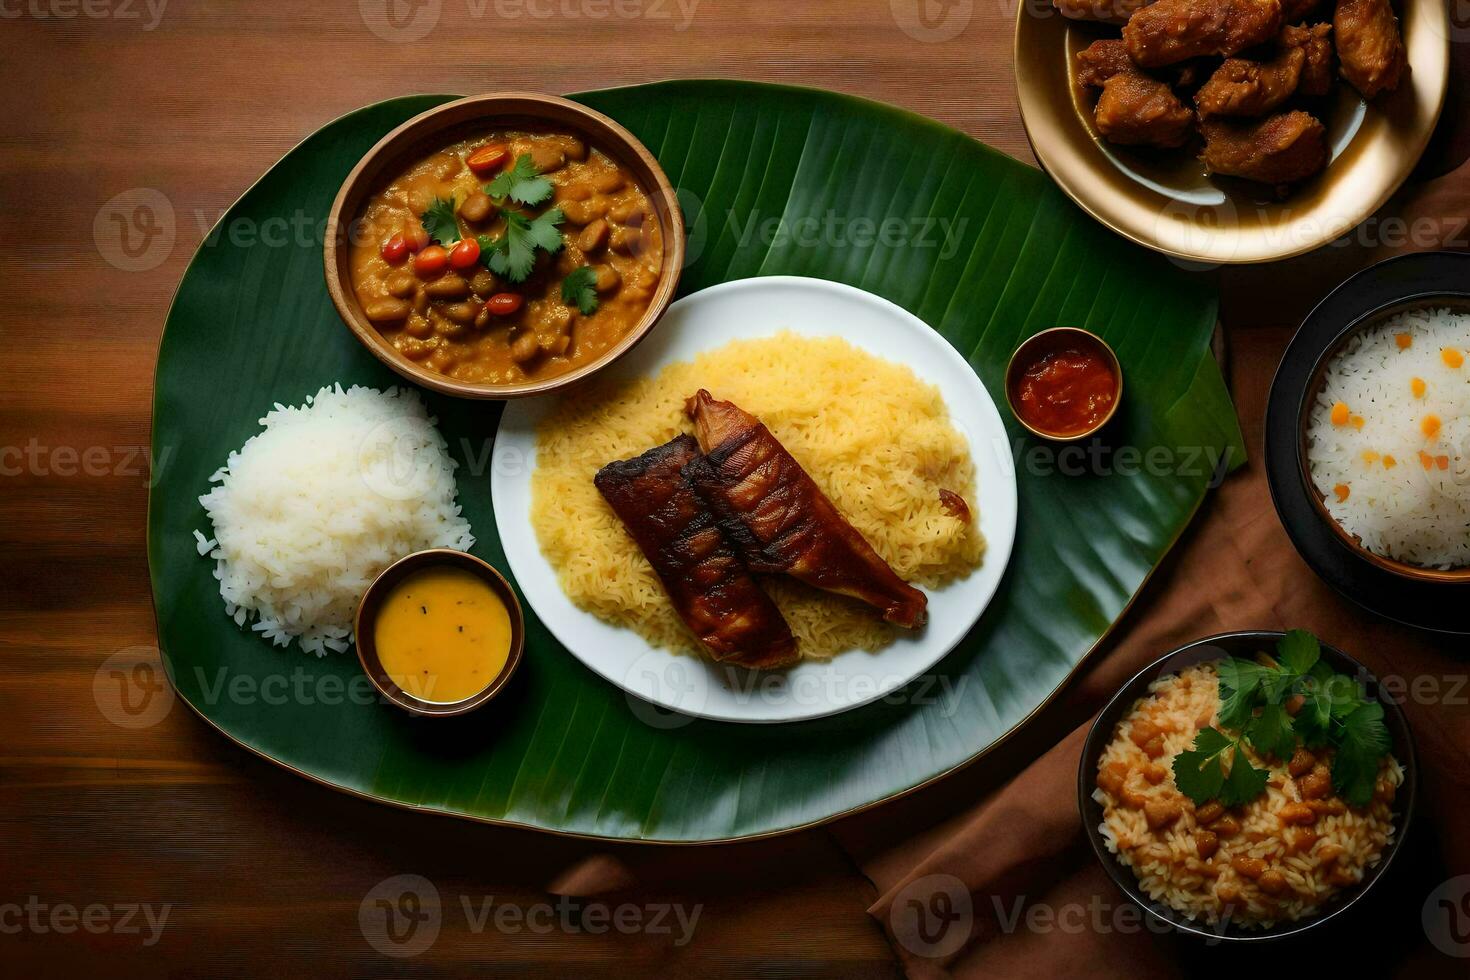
x=508, y=258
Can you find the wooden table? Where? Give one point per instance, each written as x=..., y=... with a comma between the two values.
x=259, y=869
x=262, y=868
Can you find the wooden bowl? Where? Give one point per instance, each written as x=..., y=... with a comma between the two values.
x=1459, y=302
x=1045, y=342
x=372, y=602
x=439, y=127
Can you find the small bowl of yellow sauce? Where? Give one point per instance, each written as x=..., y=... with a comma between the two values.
x=439, y=632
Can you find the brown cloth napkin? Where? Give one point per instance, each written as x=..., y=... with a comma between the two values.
x=1004, y=883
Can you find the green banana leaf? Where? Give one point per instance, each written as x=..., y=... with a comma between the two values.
x=775, y=180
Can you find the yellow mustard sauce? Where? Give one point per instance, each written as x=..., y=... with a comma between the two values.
x=442, y=634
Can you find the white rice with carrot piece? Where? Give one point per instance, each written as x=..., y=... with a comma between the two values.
x=1388, y=438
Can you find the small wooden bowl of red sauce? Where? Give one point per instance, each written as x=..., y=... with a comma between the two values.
x=1064, y=383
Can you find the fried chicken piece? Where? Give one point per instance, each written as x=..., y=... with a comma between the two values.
x=1281, y=149
x=1189, y=75
x=1106, y=11
x=1241, y=87
x=1316, y=43
x=1369, y=45
x=1100, y=61
x=1173, y=30
x=1136, y=110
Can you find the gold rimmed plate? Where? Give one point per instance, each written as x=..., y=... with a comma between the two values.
x=1163, y=199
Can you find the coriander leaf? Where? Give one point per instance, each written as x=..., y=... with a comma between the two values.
x=543, y=231
x=1364, y=742
x=1240, y=681
x=439, y=221
x=1270, y=732
x=1298, y=651
x=1344, y=696
x=1313, y=722
x=1197, y=771
x=520, y=182
x=513, y=254
x=1277, y=683
x=579, y=289
x=1244, y=783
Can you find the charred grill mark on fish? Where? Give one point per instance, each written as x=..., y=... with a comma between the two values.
x=711, y=589
x=751, y=481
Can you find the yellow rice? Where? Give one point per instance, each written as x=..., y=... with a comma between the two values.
x=875, y=438
x=1167, y=860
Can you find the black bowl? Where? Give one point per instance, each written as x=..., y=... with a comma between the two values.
x=1242, y=644
x=1401, y=283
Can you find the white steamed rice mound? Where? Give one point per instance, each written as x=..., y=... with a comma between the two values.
x=1388, y=441
x=313, y=507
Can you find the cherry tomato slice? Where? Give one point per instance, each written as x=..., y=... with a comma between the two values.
x=464, y=254
x=395, y=250
x=503, y=304
x=431, y=261
x=487, y=159
x=415, y=237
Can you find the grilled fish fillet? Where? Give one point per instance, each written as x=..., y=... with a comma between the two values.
x=780, y=520
x=711, y=588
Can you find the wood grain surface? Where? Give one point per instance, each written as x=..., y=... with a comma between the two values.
x=261, y=871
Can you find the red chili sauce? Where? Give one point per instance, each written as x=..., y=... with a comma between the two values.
x=1066, y=391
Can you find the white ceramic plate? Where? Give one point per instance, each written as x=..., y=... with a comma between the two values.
x=688, y=685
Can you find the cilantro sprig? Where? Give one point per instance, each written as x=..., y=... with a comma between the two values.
x=520, y=182
x=513, y=253
x=1254, y=697
x=1201, y=772
x=579, y=289
x=439, y=221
